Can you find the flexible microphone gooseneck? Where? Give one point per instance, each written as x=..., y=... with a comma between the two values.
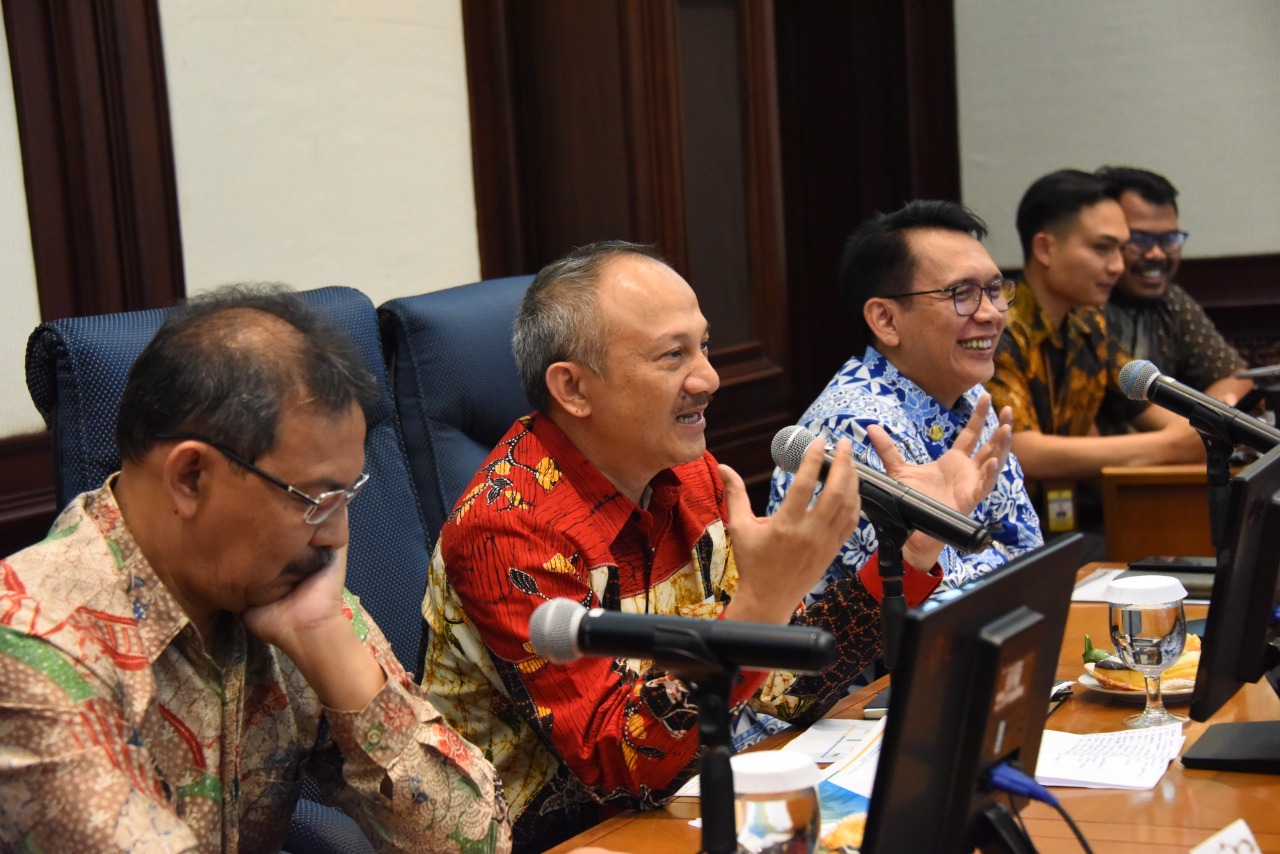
x=914, y=510
x=1142, y=380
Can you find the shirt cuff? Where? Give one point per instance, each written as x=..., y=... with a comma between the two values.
x=384, y=728
x=916, y=585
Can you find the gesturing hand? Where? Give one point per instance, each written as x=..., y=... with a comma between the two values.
x=781, y=557
x=960, y=478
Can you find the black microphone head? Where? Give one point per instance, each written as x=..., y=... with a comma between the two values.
x=1136, y=378
x=789, y=445
x=553, y=629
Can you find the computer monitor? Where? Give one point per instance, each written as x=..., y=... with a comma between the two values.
x=971, y=691
x=1240, y=639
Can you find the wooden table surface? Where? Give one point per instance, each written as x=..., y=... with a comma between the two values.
x=1185, y=808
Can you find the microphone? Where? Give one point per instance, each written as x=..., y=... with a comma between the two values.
x=561, y=630
x=914, y=510
x=1142, y=380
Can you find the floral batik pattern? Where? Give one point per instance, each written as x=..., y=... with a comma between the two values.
x=870, y=391
x=578, y=740
x=119, y=732
x=1058, y=380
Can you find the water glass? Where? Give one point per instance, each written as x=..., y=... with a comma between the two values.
x=1149, y=630
x=776, y=802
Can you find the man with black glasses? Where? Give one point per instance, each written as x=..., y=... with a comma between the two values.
x=1151, y=316
x=181, y=645
x=921, y=285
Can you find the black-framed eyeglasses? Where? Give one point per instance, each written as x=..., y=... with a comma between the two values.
x=322, y=506
x=1141, y=241
x=967, y=297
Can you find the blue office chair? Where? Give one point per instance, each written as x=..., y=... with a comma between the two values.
x=76, y=372
x=456, y=387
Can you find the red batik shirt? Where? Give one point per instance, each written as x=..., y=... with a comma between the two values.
x=539, y=522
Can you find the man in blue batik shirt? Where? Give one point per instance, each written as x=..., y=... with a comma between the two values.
x=933, y=303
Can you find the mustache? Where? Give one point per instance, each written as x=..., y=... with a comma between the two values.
x=314, y=561
x=696, y=401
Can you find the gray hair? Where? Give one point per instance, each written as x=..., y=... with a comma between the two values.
x=559, y=318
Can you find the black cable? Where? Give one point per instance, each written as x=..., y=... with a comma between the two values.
x=1006, y=778
x=1017, y=813
x=1071, y=824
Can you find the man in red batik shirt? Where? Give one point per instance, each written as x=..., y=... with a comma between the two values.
x=606, y=495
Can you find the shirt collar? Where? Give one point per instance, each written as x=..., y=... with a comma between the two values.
x=159, y=616
x=1075, y=326
x=610, y=509
x=895, y=379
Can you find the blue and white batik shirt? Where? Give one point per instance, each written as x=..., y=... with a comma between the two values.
x=871, y=390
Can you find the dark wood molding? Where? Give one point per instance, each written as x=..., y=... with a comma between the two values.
x=493, y=139
x=650, y=70
x=766, y=222
x=653, y=121
x=1239, y=281
x=933, y=129
x=93, y=121
x=27, y=503
x=1241, y=295
x=867, y=116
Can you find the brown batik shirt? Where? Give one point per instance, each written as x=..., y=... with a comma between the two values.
x=118, y=732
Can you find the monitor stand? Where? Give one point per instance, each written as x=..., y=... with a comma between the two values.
x=1252, y=747
x=1000, y=833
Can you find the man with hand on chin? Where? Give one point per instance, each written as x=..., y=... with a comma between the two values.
x=606, y=495
x=920, y=284
x=182, y=645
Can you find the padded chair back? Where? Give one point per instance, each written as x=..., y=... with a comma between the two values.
x=455, y=380
x=76, y=372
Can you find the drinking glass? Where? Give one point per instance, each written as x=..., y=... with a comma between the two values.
x=776, y=802
x=1149, y=630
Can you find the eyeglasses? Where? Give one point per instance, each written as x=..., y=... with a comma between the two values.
x=1142, y=241
x=322, y=506
x=968, y=297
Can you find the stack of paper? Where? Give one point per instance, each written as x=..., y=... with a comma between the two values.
x=1132, y=759
x=846, y=787
x=826, y=742
x=852, y=748
x=829, y=740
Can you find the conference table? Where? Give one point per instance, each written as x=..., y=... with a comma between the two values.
x=1156, y=510
x=1184, y=809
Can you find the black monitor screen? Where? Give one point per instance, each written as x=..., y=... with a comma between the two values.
x=1240, y=631
x=971, y=691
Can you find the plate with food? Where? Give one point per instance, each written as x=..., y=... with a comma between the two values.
x=1107, y=674
x=1168, y=693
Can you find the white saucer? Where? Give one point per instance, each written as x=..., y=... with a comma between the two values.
x=1167, y=694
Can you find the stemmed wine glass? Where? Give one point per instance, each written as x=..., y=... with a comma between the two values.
x=1149, y=630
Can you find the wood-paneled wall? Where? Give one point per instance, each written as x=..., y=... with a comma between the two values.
x=589, y=120
x=93, y=123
